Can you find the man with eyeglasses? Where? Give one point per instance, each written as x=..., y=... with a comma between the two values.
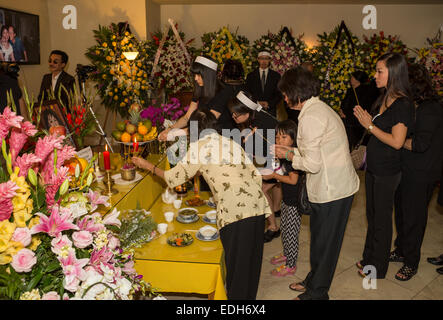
x=52, y=82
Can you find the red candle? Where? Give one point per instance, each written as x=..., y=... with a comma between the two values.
x=107, y=158
x=135, y=145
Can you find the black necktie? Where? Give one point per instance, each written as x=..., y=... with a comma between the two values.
x=263, y=81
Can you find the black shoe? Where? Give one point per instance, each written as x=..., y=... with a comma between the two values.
x=440, y=270
x=438, y=261
x=277, y=213
x=269, y=235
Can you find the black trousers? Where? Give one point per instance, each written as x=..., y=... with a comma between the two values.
x=380, y=192
x=327, y=223
x=411, y=216
x=243, y=243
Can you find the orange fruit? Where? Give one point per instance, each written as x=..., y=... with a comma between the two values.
x=142, y=129
x=126, y=137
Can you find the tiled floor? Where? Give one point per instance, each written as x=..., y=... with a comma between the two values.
x=347, y=284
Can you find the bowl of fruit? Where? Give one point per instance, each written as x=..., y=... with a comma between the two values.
x=128, y=172
x=134, y=130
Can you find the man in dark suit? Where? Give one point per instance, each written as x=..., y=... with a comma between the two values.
x=262, y=84
x=52, y=82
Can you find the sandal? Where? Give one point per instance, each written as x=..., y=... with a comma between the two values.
x=406, y=273
x=278, y=259
x=395, y=257
x=283, y=271
x=360, y=265
x=299, y=286
x=362, y=273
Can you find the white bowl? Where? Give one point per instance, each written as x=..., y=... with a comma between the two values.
x=188, y=216
x=207, y=232
x=211, y=215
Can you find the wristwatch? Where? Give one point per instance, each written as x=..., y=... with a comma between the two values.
x=370, y=128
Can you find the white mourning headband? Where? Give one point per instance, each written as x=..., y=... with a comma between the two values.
x=206, y=62
x=248, y=102
x=264, y=54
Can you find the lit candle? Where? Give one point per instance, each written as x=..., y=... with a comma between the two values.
x=135, y=145
x=107, y=158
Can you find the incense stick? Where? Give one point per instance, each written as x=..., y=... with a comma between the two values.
x=355, y=93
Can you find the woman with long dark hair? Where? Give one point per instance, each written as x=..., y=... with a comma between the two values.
x=421, y=168
x=207, y=85
x=256, y=126
x=388, y=125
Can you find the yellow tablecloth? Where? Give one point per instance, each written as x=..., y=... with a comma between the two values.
x=198, y=268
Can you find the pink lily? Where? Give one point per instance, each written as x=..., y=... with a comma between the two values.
x=103, y=256
x=54, y=224
x=89, y=223
x=111, y=218
x=96, y=199
x=73, y=270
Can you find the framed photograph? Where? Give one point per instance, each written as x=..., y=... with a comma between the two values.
x=25, y=38
x=52, y=116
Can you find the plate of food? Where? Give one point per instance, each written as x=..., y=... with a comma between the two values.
x=180, y=240
x=195, y=202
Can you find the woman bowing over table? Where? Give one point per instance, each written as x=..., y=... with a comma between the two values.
x=207, y=86
x=236, y=186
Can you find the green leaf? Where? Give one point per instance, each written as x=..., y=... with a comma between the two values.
x=35, y=280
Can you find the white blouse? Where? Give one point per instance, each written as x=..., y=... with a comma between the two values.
x=323, y=153
x=7, y=53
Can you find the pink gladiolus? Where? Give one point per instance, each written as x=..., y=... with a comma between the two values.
x=54, y=224
x=26, y=162
x=24, y=260
x=96, y=199
x=53, y=183
x=111, y=218
x=7, y=192
x=47, y=145
x=7, y=120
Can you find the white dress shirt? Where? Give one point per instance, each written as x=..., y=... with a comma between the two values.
x=54, y=81
x=323, y=153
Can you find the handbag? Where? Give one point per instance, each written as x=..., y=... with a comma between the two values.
x=358, y=155
x=302, y=198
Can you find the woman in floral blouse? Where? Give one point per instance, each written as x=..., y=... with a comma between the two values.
x=236, y=186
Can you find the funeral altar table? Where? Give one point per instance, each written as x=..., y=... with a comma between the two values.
x=198, y=268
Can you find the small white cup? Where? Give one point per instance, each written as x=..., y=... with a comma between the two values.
x=169, y=216
x=162, y=228
x=177, y=204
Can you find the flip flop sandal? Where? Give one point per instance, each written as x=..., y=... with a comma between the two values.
x=406, y=272
x=283, y=271
x=359, y=264
x=278, y=259
x=300, y=284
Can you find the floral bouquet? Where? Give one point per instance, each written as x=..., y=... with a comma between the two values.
x=173, y=67
x=432, y=57
x=223, y=45
x=164, y=114
x=334, y=67
x=53, y=245
x=376, y=46
x=120, y=82
x=284, y=53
